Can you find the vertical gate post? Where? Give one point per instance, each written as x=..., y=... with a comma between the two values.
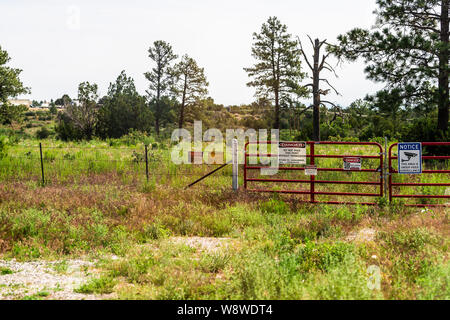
x=245, y=165
x=42, y=164
x=146, y=162
x=235, y=160
x=390, y=174
x=386, y=168
x=312, y=177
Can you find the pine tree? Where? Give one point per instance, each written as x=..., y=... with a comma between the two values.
x=277, y=73
x=409, y=51
x=160, y=77
x=190, y=85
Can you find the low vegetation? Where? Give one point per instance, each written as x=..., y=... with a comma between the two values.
x=258, y=246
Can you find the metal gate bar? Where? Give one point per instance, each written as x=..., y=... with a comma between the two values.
x=312, y=181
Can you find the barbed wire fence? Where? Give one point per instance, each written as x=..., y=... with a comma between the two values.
x=34, y=162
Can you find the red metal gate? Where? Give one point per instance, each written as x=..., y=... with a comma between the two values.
x=393, y=171
x=378, y=155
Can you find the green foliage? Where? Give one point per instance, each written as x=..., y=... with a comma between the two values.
x=135, y=268
x=66, y=130
x=273, y=46
x=408, y=51
x=63, y=101
x=37, y=296
x=102, y=285
x=53, y=110
x=189, y=85
x=11, y=113
x=154, y=231
x=123, y=110
x=43, y=133
x=5, y=271
x=3, y=146
x=78, y=121
x=160, y=77
x=276, y=206
x=10, y=84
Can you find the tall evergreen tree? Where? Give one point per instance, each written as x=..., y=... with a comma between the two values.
x=159, y=77
x=190, y=85
x=276, y=74
x=10, y=86
x=409, y=51
x=123, y=109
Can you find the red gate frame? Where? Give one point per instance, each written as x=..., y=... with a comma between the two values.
x=393, y=171
x=312, y=181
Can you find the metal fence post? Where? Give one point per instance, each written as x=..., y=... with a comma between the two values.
x=235, y=160
x=312, y=178
x=386, y=167
x=42, y=164
x=146, y=162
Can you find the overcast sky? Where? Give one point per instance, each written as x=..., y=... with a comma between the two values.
x=59, y=43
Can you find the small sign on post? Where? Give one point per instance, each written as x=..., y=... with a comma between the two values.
x=311, y=170
x=409, y=157
x=352, y=163
x=292, y=152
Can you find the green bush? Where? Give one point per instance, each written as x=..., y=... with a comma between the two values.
x=3, y=146
x=275, y=206
x=43, y=133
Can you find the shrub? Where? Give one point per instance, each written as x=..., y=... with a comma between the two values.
x=275, y=206
x=43, y=133
x=3, y=146
x=100, y=285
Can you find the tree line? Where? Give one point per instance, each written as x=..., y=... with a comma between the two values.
x=174, y=87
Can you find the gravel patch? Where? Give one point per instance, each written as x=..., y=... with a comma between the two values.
x=44, y=279
x=208, y=244
x=363, y=235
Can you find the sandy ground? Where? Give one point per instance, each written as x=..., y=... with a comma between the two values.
x=44, y=279
x=208, y=244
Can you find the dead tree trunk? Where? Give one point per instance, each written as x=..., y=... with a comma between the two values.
x=316, y=67
x=316, y=94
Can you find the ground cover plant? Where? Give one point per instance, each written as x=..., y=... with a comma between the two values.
x=157, y=240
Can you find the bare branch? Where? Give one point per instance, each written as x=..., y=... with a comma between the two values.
x=304, y=55
x=330, y=86
x=312, y=42
x=331, y=103
x=304, y=110
x=331, y=70
x=324, y=57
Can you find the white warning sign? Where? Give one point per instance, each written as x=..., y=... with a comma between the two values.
x=352, y=163
x=409, y=157
x=311, y=170
x=292, y=152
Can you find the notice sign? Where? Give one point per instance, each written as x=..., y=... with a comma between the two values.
x=292, y=152
x=352, y=163
x=409, y=157
x=311, y=170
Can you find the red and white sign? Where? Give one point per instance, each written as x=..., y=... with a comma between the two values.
x=311, y=170
x=291, y=152
x=352, y=163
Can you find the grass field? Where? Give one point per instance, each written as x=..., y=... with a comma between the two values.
x=158, y=240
